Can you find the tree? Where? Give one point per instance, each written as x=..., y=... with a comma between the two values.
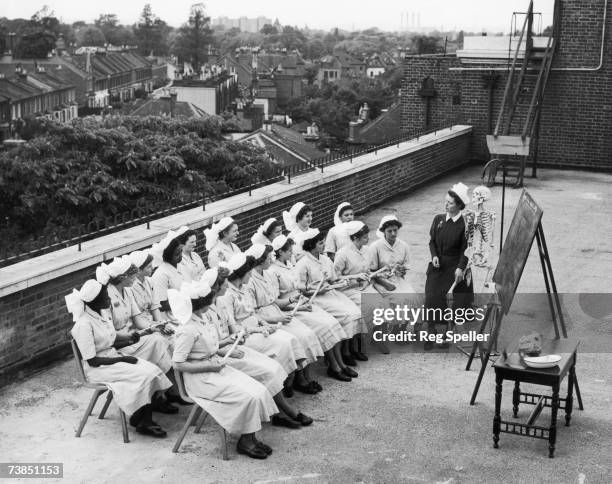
x=35, y=45
x=269, y=30
x=151, y=33
x=426, y=44
x=106, y=20
x=194, y=37
x=90, y=37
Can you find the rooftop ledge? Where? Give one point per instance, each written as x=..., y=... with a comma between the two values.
x=495, y=48
x=50, y=266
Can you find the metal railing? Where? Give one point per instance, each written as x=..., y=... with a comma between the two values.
x=147, y=211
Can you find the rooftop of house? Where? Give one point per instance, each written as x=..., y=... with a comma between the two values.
x=383, y=128
x=105, y=64
x=23, y=85
x=284, y=144
x=165, y=107
x=210, y=82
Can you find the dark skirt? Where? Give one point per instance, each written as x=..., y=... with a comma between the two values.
x=439, y=281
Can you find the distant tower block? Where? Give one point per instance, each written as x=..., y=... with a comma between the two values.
x=413, y=23
x=419, y=20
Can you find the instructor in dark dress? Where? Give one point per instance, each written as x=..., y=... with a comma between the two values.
x=448, y=261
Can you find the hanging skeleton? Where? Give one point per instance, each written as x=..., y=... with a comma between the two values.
x=479, y=231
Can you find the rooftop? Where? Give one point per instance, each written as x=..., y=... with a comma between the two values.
x=405, y=419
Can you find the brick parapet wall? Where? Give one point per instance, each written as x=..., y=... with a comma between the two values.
x=576, y=116
x=34, y=323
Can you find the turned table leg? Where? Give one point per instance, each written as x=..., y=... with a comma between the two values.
x=516, y=395
x=569, y=400
x=552, y=434
x=497, y=419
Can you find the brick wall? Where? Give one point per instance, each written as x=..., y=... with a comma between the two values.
x=576, y=116
x=34, y=323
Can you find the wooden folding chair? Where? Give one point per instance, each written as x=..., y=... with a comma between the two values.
x=98, y=389
x=196, y=417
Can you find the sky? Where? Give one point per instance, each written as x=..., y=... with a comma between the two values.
x=469, y=15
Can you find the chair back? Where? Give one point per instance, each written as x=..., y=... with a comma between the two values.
x=180, y=385
x=78, y=360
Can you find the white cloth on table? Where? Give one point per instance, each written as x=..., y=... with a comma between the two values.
x=310, y=272
x=152, y=347
x=222, y=252
x=235, y=400
x=132, y=385
x=326, y=327
x=191, y=267
x=241, y=312
x=264, y=290
x=255, y=364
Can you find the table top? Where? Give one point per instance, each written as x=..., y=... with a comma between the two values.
x=514, y=366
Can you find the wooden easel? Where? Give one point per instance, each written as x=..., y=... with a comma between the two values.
x=526, y=225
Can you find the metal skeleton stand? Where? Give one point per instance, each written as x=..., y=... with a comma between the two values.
x=495, y=312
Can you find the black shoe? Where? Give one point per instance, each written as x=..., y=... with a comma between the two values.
x=288, y=392
x=338, y=375
x=254, y=452
x=266, y=448
x=308, y=388
x=428, y=346
x=162, y=406
x=135, y=418
x=171, y=398
x=152, y=430
x=315, y=384
x=350, y=372
x=288, y=422
x=349, y=360
x=358, y=355
x=305, y=420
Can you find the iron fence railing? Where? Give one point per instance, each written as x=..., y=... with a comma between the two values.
x=13, y=251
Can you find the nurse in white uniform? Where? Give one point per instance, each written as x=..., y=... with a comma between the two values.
x=267, y=232
x=191, y=266
x=220, y=240
x=240, y=306
x=167, y=255
x=316, y=270
x=133, y=381
x=235, y=400
x=297, y=221
x=255, y=364
x=265, y=290
x=336, y=237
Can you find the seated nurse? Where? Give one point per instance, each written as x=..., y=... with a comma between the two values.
x=235, y=400
x=132, y=380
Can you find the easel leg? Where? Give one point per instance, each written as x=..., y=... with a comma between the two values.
x=552, y=282
x=476, y=346
x=487, y=355
x=545, y=273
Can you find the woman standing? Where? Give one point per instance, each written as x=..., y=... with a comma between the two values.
x=133, y=381
x=316, y=271
x=353, y=263
x=191, y=266
x=390, y=256
x=326, y=327
x=447, y=246
x=258, y=366
x=220, y=240
x=265, y=291
x=336, y=237
x=236, y=401
x=297, y=221
x=267, y=232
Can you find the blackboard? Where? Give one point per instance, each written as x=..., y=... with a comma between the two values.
x=516, y=248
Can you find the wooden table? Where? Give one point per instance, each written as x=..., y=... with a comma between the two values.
x=513, y=368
